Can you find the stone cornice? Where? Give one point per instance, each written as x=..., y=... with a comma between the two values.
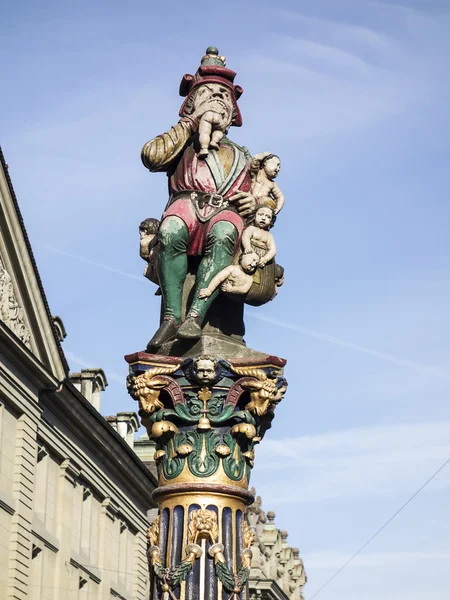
x=88, y=425
x=271, y=589
x=24, y=360
x=70, y=471
x=78, y=562
x=39, y=531
x=110, y=508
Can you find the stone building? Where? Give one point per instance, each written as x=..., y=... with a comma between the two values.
x=277, y=571
x=73, y=495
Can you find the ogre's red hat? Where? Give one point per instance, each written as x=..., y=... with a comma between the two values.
x=212, y=70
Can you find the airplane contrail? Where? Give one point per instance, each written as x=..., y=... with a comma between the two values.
x=403, y=362
x=92, y=262
x=350, y=345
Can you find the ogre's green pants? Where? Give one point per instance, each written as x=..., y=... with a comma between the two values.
x=173, y=239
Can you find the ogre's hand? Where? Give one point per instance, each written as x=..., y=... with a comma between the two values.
x=204, y=112
x=246, y=203
x=196, y=117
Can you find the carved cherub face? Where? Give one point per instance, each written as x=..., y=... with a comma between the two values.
x=249, y=262
x=205, y=370
x=263, y=217
x=215, y=97
x=272, y=167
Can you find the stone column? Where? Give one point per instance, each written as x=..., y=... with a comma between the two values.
x=206, y=414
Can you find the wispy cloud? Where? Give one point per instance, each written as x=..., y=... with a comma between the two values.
x=92, y=262
x=368, y=461
x=328, y=56
x=346, y=75
x=392, y=6
x=346, y=39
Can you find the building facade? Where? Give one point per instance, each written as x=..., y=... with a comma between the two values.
x=74, y=497
x=277, y=571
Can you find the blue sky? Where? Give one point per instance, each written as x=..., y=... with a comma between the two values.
x=353, y=96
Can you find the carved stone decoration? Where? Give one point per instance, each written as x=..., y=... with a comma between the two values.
x=148, y=248
x=170, y=578
x=264, y=390
x=204, y=369
x=248, y=536
x=205, y=429
x=11, y=312
x=215, y=188
x=205, y=437
x=257, y=239
x=153, y=532
x=265, y=168
x=255, y=513
x=273, y=559
x=147, y=387
x=234, y=279
x=203, y=524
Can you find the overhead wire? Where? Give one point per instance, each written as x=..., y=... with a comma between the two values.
x=416, y=493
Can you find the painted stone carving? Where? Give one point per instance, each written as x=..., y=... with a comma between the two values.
x=147, y=387
x=203, y=524
x=213, y=126
x=234, y=279
x=204, y=369
x=212, y=57
x=148, y=233
x=210, y=185
x=209, y=415
x=257, y=239
x=264, y=390
x=206, y=414
x=153, y=532
x=265, y=168
x=11, y=313
x=170, y=578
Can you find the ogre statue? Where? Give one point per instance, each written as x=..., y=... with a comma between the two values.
x=210, y=199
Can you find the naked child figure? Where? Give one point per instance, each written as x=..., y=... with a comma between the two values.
x=235, y=279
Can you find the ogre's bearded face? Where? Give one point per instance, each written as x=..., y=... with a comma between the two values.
x=215, y=97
